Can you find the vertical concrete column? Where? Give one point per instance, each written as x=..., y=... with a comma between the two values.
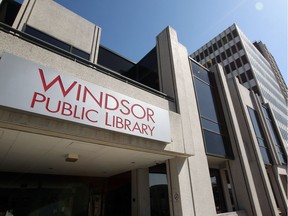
x=241, y=173
x=190, y=186
x=95, y=44
x=140, y=192
x=23, y=14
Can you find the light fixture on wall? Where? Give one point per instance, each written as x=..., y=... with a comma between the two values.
x=71, y=157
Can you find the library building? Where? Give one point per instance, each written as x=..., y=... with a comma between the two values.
x=85, y=131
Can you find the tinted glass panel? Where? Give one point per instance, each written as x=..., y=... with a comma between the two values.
x=239, y=46
x=255, y=122
x=210, y=49
x=229, y=36
x=159, y=196
x=233, y=48
x=223, y=55
x=217, y=190
x=219, y=43
x=258, y=131
x=234, y=33
x=200, y=73
x=47, y=38
x=113, y=61
x=227, y=69
x=238, y=63
x=249, y=74
x=209, y=125
x=80, y=53
x=243, y=78
x=214, y=143
x=233, y=67
x=205, y=100
x=228, y=52
x=244, y=59
x=265, y=155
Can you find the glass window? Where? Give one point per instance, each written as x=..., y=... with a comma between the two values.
x=223, y=55
x=259, y=135
x=217, y=191
x=210, y=49
x=197, y=58
x=229, y=36
x=233, y=48
x=200, y=72
x=244, y=59
x=249, y=75
x=219, y=43
x=275, y=138
x=213, y=61
x=206, y=52
x=243, y=78
x=228, y=51
x=214, y=46
x=232, y=65
x=211, y=114
x=201, y=55
x=80, y=53
x=214, y=143
x=55, y=42
x=209, y=125
x=224, y=40
x=239, y=46
x=238, y=62
x=218, y=59
x=51, y=40
x=234, y=33
x=159, y=197
x=265, y=155
x=227, y=69
x=205, y=100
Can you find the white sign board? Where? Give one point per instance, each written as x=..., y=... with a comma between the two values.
x=31, y=87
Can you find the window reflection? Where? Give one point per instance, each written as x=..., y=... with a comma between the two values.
x=259, y=135
x=159, y=199
x=213, y=124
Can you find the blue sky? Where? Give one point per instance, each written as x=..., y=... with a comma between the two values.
x=130, y=27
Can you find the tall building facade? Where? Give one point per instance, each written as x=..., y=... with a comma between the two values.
x=240, y=58
x=269, y=57
x=85, y=131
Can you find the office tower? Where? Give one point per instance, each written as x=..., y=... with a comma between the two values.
x=269, y=57
x=240, y=58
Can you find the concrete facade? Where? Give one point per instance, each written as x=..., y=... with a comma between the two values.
x=31, y=143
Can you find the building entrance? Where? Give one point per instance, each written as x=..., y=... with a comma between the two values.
x=49, y=195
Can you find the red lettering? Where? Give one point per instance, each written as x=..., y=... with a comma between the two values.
x=99, y=102
x=123, y=102
x=57, y=79
x=35, y=99
x=52, y=111
x=109, y=104
x=127, y=124
x=150, y=113
x=144, y=128
x=119, y=122
x=89, y=117
x=66, y=107
x=134, y=113
x=151, y=130
x=78, y=92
